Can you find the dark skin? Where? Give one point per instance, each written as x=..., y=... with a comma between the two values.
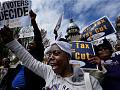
x=104, y=53
x=96, y=60
x=5, y=63
x=59, y=61
x=31, y=46
x=6, y=34
x=35, y=45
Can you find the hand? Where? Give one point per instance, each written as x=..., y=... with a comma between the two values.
x=95, y=60
x=117, y=23
x=32, y=15
x=6, y=34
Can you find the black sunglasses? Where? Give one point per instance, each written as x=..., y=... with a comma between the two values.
x=101, y=48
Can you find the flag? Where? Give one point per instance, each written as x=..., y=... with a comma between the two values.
x=58, y=23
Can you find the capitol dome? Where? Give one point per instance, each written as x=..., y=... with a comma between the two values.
x=72, y=29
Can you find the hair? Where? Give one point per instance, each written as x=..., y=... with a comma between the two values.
x=7, y=59
x=106, y=43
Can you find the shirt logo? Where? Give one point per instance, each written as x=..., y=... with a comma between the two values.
x=109, y=62
x=54, y=87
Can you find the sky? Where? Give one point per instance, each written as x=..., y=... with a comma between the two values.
x=83, y=12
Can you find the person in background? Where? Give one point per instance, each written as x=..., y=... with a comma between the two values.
x=5, y=63
x=59, y=75
x=112, y=65
x=23, y=78
x=104, y=57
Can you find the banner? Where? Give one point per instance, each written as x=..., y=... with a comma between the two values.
x=98, y=29
x=3, y=71
x=58, y=23
x=15, y=13
x=80, y=51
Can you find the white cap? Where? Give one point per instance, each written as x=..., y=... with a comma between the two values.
x=66, y=47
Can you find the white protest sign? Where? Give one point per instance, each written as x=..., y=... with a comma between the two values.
x=26, y=32
x=15, y=13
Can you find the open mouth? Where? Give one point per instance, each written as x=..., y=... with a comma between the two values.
x=54, y=66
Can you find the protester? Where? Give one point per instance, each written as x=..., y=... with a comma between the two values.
x=112, y=65
x=23, y=78
x=59, y=74
x=5, y=63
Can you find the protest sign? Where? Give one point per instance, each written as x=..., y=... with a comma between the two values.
x=98, y=29
x=80, y=51
x=3, y=71
x=15, y=13
x=26, y=32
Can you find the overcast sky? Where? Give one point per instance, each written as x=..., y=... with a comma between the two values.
x=83, y=12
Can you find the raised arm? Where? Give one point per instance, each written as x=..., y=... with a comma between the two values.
x=28, y=60
x=37, y=36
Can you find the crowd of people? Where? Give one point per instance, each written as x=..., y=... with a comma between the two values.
x=32, y=74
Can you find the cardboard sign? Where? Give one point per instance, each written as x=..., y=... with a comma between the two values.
x=80, y=51
x=15, y=13
x=98, y=29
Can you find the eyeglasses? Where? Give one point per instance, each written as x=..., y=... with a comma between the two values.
x=101, y=48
